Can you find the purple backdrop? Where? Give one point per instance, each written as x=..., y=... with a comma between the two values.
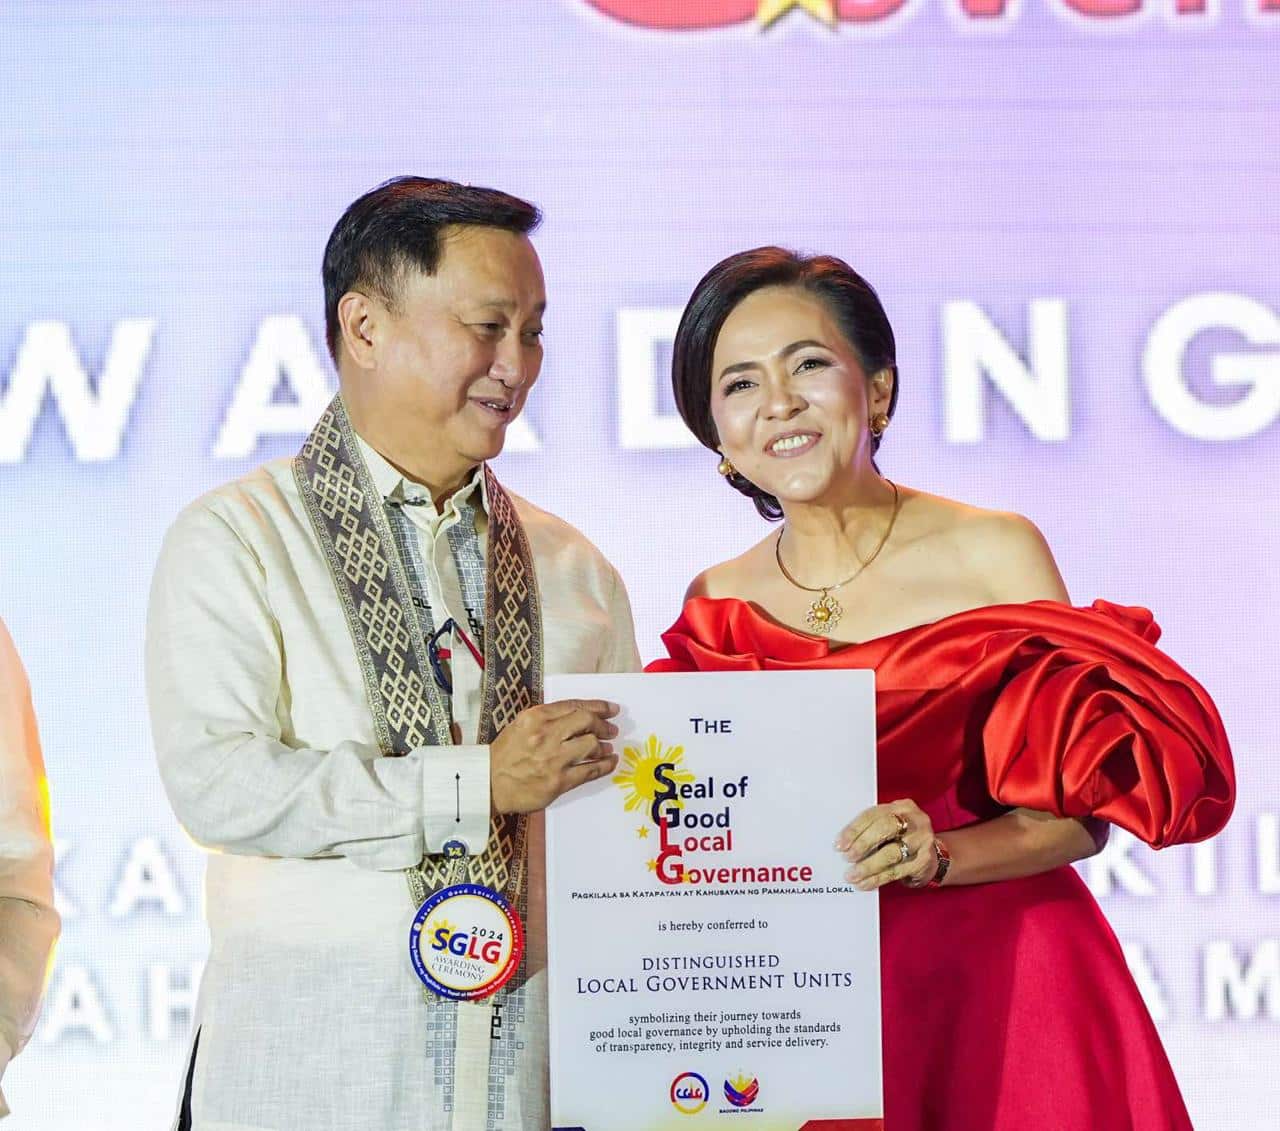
x=1070, y=216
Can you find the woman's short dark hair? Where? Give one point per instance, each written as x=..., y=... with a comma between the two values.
x=398, y=225
x=847, y=295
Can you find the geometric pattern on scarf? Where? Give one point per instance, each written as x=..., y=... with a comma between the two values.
x=373, y=586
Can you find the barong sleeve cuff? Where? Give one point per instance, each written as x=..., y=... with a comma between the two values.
x=455, y=798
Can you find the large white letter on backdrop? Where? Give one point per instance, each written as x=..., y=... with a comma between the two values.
x=1268, y=854
x=1257, y=372
x=1242, y=986
x=61, y=901
x=171, y=999
x=74, y=1006
x=1112, y=869
x=147, y=877
x=282, y=349
x=640, y=424
x=975, y=352
x=521, y=437
x=95, y=418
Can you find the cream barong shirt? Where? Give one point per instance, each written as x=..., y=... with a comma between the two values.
x=310, y=1016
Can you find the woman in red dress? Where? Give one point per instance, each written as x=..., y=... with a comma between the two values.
x=1013, y=728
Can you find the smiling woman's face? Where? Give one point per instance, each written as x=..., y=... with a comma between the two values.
x=789, y=397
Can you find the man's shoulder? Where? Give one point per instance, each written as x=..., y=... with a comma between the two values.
x=553, y=538
x=247, y=505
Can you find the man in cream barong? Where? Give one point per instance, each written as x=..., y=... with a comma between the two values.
x=345, y=654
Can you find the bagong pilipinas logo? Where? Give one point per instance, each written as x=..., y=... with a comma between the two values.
x=741, y=1091
x=689, y=1093
x=701, y=15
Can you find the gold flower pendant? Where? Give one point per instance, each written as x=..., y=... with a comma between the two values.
x=824, y=614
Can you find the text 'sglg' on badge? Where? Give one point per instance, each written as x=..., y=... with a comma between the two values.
x=466, y=942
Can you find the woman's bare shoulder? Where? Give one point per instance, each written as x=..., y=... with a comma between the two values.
x=730, y=578
x=1005, y=550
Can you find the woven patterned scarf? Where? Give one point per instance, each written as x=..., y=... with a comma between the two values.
x=346, y=510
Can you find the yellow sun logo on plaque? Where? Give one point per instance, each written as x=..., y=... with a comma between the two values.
x=437, y=925
x=637, y=773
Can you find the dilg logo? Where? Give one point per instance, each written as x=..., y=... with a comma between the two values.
x=689, y=1093
x=742, y=1091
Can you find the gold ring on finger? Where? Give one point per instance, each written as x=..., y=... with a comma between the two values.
x=903, y=826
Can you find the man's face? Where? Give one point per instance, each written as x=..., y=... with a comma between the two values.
x=454, y=357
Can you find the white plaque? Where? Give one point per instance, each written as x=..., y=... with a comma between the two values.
x=708, y=963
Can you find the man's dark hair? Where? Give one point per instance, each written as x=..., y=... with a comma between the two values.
x=847, y=295
x=397, y=226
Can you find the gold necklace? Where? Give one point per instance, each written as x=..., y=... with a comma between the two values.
x=825, y=613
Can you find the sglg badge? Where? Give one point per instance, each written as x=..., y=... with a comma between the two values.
x=466, y=942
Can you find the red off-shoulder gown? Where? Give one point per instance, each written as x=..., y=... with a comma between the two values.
x=1008, y=1006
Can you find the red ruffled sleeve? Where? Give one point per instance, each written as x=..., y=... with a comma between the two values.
x=1069, y=711
x=1093, y=719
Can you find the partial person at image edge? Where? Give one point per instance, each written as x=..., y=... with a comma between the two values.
x=28, y=922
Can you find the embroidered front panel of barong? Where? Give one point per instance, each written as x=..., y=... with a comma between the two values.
x=376, y=582
x=464, y=543
x=510, y=1017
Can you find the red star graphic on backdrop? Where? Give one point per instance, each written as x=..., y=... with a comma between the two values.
x=690, y=15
